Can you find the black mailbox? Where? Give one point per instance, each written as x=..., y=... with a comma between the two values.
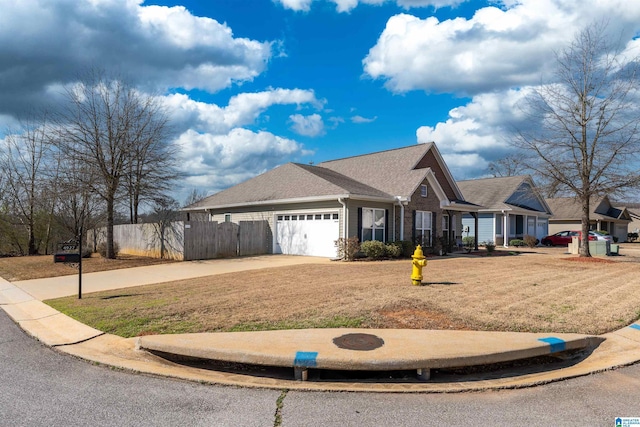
x=67, y=258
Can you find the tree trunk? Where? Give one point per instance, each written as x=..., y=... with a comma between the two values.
x=33, y=250
x=110, y=206
x=584, y=243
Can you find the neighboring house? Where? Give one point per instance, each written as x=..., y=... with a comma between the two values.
x=567, y=215
x=511, y=207
x=634, y=213
x=402, y=194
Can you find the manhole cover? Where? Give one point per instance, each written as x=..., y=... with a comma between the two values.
x=360, y=342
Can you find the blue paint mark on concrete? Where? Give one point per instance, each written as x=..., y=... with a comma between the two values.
x=305, y=359
x=635, y=326
x=556, y=344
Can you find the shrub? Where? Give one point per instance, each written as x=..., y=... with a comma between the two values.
x=406, y=248
x=392, y=250
x=469, y=242
x=373, y=249
x=489, y=245
x=530, y=241
x=516, y=242
x=632, y=237
x=102, y=249
x=444, y=245
x=348, y=248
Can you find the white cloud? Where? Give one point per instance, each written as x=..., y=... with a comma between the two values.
x=307, y=125
x=45, y=42
x=465, y=166
x=297, y=5
x=218, y=152
x=495, y=57
x=359, y=119
x=349, y=5
x=478, y=132
x=243, y=109
x=497, y=48
x=216, y=162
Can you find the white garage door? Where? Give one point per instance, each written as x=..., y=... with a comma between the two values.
x=307, y=234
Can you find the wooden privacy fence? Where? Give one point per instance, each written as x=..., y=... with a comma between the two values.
x=191, y=240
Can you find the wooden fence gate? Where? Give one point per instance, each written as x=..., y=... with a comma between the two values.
x=207, y=240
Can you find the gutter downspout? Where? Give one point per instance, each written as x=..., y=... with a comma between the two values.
x=402, y=204
x=345, y=218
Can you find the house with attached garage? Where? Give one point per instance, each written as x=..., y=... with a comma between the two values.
x=604, y=216
x=401, y=194
x=511, y=207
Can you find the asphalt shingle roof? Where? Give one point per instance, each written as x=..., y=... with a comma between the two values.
x=491, y=192
x=290, y=181
x=384, y=174
x=566, y=208
x=391, y=171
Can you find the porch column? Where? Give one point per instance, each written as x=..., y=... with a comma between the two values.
x=450, y=227
x=475, y=222
x=505, y=230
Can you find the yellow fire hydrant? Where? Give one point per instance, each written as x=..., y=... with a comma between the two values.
x=418, y=262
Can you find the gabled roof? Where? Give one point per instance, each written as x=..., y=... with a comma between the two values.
x=504, y=193
x=288, y=182
x=396, y=172
x=570, y=208
x=633, y=209
x=386, y=176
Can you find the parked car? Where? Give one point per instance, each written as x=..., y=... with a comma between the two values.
x=564, y=238
x=600, y=236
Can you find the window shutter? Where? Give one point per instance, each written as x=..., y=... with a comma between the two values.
x=360, y=224
x=386, y=225
x=413, y=227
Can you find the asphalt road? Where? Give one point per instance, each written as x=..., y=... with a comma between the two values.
x=41, y=387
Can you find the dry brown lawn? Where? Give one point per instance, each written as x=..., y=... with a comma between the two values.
x=542, y=291
x=40, y=266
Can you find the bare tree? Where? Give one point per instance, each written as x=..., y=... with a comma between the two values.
x=78, y=208
x=588, y=140
x=164, y=216
x=151, y=172
x=510, y=165
x=516, y=164
x=194, y=196
x=105, y=123
x=24, y=163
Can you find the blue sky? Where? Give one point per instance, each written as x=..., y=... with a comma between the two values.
x=252, y=84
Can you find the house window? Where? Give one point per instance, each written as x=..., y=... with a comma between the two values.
x=227, y=217
x=373, y=221
x=423, y=191
x=499, y=218
x=423, y=228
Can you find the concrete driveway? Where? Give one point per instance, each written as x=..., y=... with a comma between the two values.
x=62, y=286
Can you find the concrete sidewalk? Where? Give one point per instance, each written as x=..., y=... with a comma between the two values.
x=306, y=349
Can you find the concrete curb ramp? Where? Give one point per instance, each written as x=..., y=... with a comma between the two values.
x=396, y=349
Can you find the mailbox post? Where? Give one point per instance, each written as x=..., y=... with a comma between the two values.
x=70, y=253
